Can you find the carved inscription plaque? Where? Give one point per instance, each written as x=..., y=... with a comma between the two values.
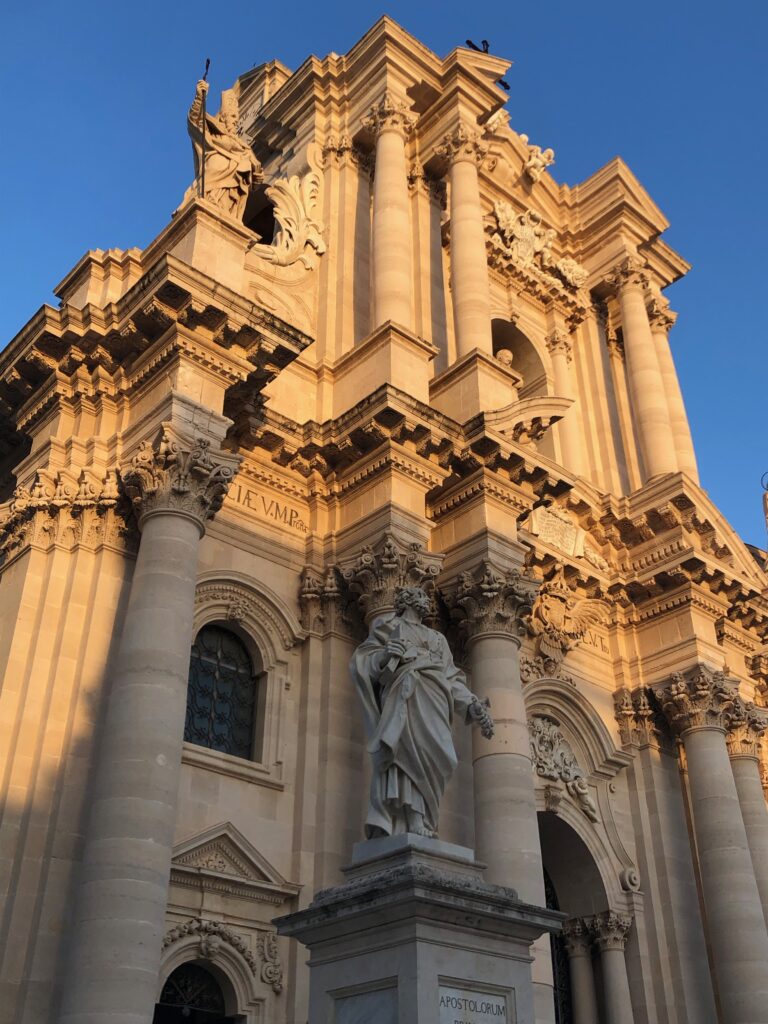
x=468, y=1006
x=266, y=507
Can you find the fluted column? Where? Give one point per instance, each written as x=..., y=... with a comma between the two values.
x=699, y=709
x=578, y=943
x=120, y=902
x=391, y=123
x=746, y=728
x=646, y=386
x=561, y=351
x=469, y=264
x=610, y=931
x=661, y=320
x=492, y=604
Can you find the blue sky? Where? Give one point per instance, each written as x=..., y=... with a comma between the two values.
x=95, y=152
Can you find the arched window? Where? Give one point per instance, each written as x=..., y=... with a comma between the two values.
x=222, y=694
x=191, y=995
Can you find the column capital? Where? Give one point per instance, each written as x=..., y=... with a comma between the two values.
x=389, y=115
x=557, y=341
x=705, y=699
x=180, y=474
x=746, y=726
x=463, y=143
x=610, y=930
x=486, y=600
x=660, y=316
x=381, y=570
x=577, y=937
x=631, y=270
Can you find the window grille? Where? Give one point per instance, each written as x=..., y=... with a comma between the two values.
x=221, y=695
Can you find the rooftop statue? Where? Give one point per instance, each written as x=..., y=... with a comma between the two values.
x=410, y=689
x=225, y=167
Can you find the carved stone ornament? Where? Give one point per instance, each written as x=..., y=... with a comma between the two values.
x=463, y=143
x=65, y=509
x=552, y=758
x=382, y=569
x=577, y=937
x=706, y=699
x=745, y=730
x=555, y=527
x=389, y=114
x=226, y=168
x=299, y=236
x=491, y=601
x=638, y=721
x=538, y=160
x=560, y=619
x=524, y=242
x=209, y=931
x=271, y=967
x=179, y=473
x=610, y=929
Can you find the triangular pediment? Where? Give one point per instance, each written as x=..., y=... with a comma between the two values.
x=222, y=857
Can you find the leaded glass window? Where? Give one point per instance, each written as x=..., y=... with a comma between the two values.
x=221, y=696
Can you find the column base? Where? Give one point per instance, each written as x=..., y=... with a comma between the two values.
x=475, y=383
x=389, y=355
x=415, y=936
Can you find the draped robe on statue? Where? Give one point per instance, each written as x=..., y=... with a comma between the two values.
x=408, y=708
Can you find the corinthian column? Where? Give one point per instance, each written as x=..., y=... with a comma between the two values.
x=699, y=709
x=390, y=122
x=661, y=320
x=578, y=943
x=560, y=349
x=746, y=727
x=492, y=605
x=120, y=903
x=646, y=385
x=469, y=265
x=610, y=931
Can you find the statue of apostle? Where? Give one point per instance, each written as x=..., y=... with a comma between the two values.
x=410, y=689
x=230, y=168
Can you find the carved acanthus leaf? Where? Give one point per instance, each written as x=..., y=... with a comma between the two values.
x=299, y=236
x=704, y=699
x=382, y=569
x=610, y=929
x=491, y=601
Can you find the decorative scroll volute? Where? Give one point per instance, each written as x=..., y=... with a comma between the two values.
x=299, y=236
x=380, y=570
x=462, y=143
x=705, y=700
x=389, y=114
x=491, y=601
x=180, y=474
x=610, y=929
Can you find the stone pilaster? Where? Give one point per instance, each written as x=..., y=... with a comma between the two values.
x=700, y=707
x=746, y=728
x=469, y=267
x=609, y=931
x=646, y=385
x=662, y=319
x=560, y=348
x=390, y=123
x=578, y=944
x=175, y=485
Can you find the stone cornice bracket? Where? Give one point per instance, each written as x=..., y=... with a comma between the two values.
x=487, y=602
x=559, y=341
x=706, y=699
x=389, y=115
x=462, y=143
x=577, y=937
x=745, y=730
x=178, y=474
x=610, y=930
x=382, y=569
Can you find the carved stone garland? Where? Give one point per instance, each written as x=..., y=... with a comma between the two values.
x=552, y=758
x=212, y=934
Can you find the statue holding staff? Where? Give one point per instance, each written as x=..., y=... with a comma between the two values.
x=410, y=690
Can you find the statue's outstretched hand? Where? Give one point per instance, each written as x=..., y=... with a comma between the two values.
x=478, y=712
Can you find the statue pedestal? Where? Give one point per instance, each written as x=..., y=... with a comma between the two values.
x=415, y=936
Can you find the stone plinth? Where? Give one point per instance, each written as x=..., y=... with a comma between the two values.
x=475, y=383
x=416, y=935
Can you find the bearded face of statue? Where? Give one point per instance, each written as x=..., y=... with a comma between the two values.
x=412, y=597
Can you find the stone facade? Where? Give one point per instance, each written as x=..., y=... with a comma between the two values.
x=389, y=350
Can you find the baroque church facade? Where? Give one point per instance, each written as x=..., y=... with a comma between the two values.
x=377, y=346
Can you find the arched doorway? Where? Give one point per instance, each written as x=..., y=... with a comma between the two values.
x=192, y=994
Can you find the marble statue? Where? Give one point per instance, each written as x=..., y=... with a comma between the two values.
x=230, y=167
x=410, y=690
